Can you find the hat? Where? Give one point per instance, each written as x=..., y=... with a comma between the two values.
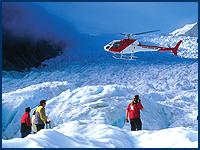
x=136, y=96
x=27, y=109
x=42, y=102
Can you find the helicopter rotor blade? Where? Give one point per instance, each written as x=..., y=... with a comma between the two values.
x=144, y=32
x=123, y=34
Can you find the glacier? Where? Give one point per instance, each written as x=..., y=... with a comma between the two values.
x=87, y=97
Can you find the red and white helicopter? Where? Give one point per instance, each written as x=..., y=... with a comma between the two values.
x=126, y=48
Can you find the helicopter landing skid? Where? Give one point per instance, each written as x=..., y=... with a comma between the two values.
x=124, y=56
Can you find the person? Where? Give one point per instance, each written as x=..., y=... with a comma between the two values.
x=133, y=113
x=40, y=116
x=34, y=128
x=26, y=123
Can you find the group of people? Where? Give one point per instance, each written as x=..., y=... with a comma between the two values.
x=37, y=122
x=39, y=118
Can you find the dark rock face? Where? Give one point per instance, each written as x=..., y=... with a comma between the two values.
x=23, y=53
x=32, y=35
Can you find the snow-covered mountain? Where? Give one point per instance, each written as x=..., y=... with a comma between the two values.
x=87, y=97
x=187, y=30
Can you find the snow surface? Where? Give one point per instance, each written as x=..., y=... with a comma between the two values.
x=81, y=134
x=87, y=99
x=186, y=30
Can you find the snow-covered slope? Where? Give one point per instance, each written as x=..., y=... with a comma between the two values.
x=187, y=30
x=76, y=134
x=193, y=32
x=87, y=99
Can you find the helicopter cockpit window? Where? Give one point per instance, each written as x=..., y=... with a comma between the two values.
x=116, y=44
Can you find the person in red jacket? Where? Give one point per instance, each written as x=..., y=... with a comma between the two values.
x=26, y=123
x=133, y=113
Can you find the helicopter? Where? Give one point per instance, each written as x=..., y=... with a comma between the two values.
x=125, y=48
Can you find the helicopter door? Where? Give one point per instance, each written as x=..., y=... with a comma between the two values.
x=134, y=46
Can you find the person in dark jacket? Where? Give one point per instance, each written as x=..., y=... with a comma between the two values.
x=26, y=123
x=40, y=116
x=133, y=113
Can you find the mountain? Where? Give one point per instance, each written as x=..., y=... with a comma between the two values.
x=187, y=30
x=193, y=32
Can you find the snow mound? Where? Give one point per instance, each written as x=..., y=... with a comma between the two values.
x=14, y=103
x=178, y=137
x=80, y=134
x=107, y=105
x=187, y=30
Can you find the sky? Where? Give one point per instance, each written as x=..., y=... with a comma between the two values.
x=117, y=17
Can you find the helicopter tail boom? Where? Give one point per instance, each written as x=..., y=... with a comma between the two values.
x=174, y=49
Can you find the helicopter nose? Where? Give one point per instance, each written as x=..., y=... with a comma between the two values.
x=107, y=47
